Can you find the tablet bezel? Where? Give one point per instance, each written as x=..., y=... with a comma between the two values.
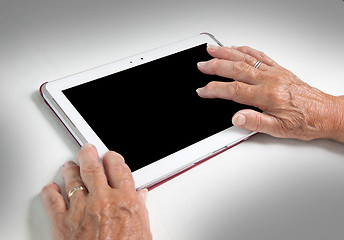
x=166, y=167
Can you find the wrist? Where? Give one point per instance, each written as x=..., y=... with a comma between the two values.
x=337, y=133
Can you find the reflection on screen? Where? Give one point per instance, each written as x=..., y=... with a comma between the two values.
x=150, y=111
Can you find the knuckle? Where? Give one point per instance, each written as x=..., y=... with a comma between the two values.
x=124, y=203
x=239, y=67
x=100, y=203
x=92, y=168
x=258, y=75
x=72, y=184
x=280, y=96
x=227, y=52
x=120, y=168
x=274, y=95
x=234, y=89
x=50, y=199
x=124, y=172
x=261, y=55
x=257, y=123
x=243, y=49
x=280, y=79
x=214, y=65
x=211, y=89
x=115, y=155
x=120, y=157
x=125, y=181
x=249, y=59
x=224, y=49
x=211, y=86
x=129, y=206
x=100, y=198
x=45, y=190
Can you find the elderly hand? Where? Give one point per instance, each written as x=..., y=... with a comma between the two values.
x=292, y=109
x=110, y=209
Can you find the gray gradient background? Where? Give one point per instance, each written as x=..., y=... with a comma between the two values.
x=265, y=188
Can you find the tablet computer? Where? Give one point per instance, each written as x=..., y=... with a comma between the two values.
x=146, y=108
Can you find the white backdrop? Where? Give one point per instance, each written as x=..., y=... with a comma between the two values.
x=265, y=188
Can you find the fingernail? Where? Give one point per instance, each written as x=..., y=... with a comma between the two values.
x=87, y=145
x=239, y=120
x=235, y=47
x=51, y=183
x=199, y=90
x=68, y=163
x=212, y=47
x=201, y=64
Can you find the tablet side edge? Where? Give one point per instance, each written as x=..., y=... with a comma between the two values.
x=60, y=114
x=172, y=175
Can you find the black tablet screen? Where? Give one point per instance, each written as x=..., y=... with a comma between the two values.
x=150, y=111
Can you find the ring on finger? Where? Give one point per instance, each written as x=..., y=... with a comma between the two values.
x=73, y=190
x=257, y=64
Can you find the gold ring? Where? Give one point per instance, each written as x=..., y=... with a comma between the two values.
x=73, y=190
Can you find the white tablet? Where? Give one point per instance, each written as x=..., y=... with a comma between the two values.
x=146, y=108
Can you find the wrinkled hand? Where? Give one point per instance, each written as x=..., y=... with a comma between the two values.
x=111, y=209
x=291, y=108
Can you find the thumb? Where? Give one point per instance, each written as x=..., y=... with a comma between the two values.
x=256, y=122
